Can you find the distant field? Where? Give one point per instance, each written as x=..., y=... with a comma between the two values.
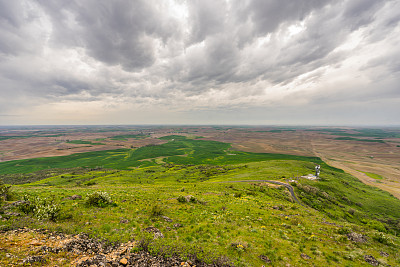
x=79, y=142
x=179, y=150
x=127, y=136
x=373, y=175
x=6, y=137
x=360, y=140
x=377, y=133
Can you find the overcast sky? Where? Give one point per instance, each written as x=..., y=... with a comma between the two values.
x=324, y=62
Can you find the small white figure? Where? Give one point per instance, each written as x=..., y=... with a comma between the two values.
x=317, y=170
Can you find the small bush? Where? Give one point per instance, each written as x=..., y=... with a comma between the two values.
x=41, y=208
x=377, y=226
x=343, y=230
x=383, y=239
x=351, y=211
x=5, y=192
x=157, y=210
x=89, y=183
x=238, y=194
x=98, y=199
x=181, y=199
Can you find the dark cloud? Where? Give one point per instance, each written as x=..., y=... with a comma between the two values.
x=211, y=54
x=115, y=32
x=266, y=16
x=207, y=17
x=15, y=20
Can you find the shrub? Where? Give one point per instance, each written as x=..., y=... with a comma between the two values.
x=192, y=199
x=89, y=183
x=238, y=194
x=351, y=211
x=343, y=230
x=42, y=208
x=98, y=199
x=181, y=199
x=157, y=210
x=383, y=239
x=5, y=192
x=377, y=226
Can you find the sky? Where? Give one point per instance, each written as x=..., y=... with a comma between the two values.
x=253, y=62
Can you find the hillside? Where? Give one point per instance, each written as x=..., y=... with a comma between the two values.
x=187, y=201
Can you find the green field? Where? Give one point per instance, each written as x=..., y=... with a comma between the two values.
x=373, y=175
x=127, y=136
x=178, y=151
x=224, y=221
x=83, y=142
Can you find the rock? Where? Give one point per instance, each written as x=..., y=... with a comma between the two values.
x=190, y=198
x=156, y=232
x=265, y=258
x=166, y=218
x=50, y=249
x=371, y=260
x=85, y=244
x=355, y=237
x=16, y=203
x=32, y=259
x=384, y=254
x=305, y=256
x=177, y=225
x=123, y=261
x=74, y=197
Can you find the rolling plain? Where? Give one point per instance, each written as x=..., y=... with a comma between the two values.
x=180, y=194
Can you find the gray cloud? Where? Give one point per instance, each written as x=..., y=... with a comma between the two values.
x=114, y=32
x=197, y=55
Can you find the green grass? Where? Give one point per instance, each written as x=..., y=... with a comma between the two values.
x=237, y=221
x=373, y=175
x=83, y=142
x=348, y=199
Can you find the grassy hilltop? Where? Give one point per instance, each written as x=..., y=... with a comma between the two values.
x=189, y=190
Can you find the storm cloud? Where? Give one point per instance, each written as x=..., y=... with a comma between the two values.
x=199, y=62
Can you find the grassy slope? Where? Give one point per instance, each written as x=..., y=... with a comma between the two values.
x=229, y=214
x=262, y=219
